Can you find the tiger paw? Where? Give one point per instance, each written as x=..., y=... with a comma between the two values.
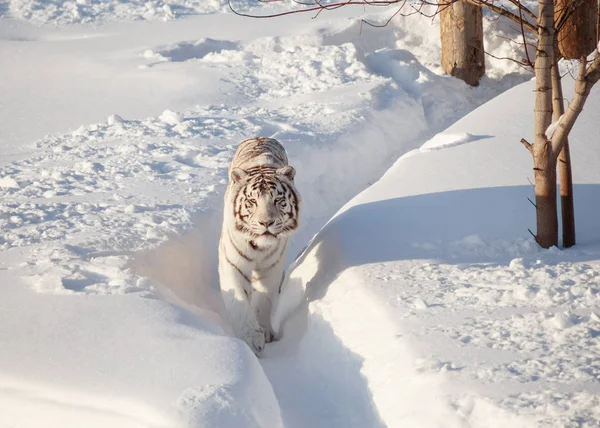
x=270, y=336
x=256, y=341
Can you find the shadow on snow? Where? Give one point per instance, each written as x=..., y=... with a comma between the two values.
x=315, y=377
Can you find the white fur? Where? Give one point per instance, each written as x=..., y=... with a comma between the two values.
x=251, y=265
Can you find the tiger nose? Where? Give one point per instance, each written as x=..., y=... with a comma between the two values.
x=267, y=223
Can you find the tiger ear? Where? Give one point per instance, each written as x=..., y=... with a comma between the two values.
x=237, y=174
x=287, y=171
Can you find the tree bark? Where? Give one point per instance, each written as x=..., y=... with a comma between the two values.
x=461, y=31
x=586, y=79
x=545, y=195
x=564, y=164
x=577, y=35
x=544, y=160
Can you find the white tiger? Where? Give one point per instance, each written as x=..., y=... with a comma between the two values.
x=262, y=208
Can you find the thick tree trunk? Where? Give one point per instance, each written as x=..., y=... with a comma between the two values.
x=544, y=160
x=545, y=195
x=461, y=28
x=564, y=165
x=578, y=34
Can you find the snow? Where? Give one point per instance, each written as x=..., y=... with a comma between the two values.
x=94, y=11
x=422, y=302
x=552, y=128
x=8, y=183
x=440, y=243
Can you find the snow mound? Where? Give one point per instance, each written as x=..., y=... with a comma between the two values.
x=147, y=376
x=442, y=98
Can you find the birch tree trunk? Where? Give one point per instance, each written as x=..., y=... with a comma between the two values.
x=564, y=165
x=461, y=31
x=544, y=160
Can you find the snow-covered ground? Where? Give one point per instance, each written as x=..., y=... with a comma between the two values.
x=428, y=303
x=509, y=333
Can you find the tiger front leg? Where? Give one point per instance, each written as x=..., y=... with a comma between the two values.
x=265, y=290
x=237, y=295
x=261, y=306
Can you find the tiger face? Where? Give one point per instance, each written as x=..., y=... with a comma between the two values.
x=266, y=204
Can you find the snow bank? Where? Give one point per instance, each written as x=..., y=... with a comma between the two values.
x=123, y=361
x=490, y=330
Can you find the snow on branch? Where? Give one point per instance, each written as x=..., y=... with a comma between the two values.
x=552, y=128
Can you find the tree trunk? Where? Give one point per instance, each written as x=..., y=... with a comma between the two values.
x=461, y=30
x=544, y=160
x=545, y=195
x=566, y=197
x=578, y=35
x=564, y=164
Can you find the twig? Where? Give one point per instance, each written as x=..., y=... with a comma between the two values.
x=387, y=21
x=521, y=64
x=317, y=6
x=534, y=236
x=527, y=145
x=523, y=34
x=314, y=6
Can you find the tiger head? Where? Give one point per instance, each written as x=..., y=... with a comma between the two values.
x=266, y=203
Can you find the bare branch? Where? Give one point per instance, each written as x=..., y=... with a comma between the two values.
x=534, y=235
x=385, y=24
x=527, y=145
x=523, y=35
x=522, y=64
x=314, y=6
x=317, y=6
x=522, y=8
x=488, y=4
